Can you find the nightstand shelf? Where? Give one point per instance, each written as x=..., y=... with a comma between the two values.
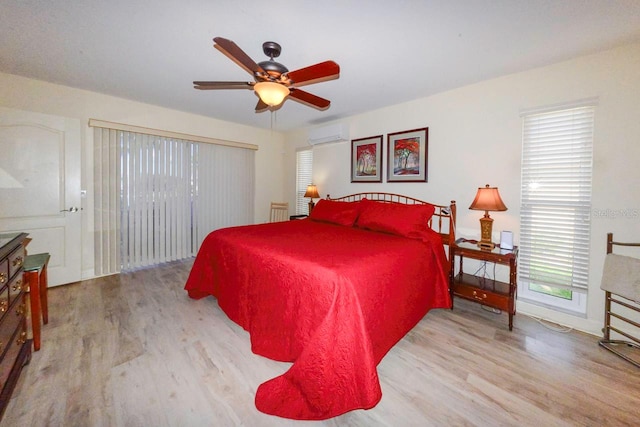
x=483, y=290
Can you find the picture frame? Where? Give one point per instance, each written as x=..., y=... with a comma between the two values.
x=407, y=157
x=366, y=159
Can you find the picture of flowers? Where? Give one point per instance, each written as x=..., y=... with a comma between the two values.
x=407, y=157
x=366, y=159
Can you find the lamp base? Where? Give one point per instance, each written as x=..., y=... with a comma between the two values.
x=486, y=224
x=486, y=245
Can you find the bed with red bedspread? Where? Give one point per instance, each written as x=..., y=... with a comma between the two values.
x=331, y=293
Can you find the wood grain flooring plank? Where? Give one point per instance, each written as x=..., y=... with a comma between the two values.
x=134, y=350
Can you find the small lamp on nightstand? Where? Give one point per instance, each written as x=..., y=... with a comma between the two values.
x=487, y=199
x=312, y=193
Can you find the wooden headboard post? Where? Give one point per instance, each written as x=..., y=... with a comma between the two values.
x=443, y=221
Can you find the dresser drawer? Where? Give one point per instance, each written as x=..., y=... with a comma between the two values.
x=4, y=302
x=10, y=322
x=13, y=347
x=4, y=271
x=16, y=286
x=16, y=259
x=482, y=296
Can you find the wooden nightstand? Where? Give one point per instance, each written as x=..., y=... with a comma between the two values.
x=483, y=290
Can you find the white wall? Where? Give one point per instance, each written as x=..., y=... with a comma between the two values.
x=475, y=135
x=41, y=97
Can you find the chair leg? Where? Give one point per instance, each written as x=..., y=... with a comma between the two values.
x=43, y=295
x=34, y=298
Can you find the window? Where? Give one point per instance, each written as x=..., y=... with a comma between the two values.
x=304, y=172
x=556, y=206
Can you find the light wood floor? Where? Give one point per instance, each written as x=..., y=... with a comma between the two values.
x=134, y=350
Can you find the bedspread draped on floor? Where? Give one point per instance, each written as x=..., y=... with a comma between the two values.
x=331, y=299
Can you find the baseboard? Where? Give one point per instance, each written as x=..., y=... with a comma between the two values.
x=579, y=323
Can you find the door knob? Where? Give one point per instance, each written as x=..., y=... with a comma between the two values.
x=71, y=209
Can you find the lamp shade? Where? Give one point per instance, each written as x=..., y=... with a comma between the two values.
x=271, y=93
x=312, y=192
x=488, y=199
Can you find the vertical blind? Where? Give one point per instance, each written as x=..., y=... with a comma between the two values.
x=304, y=172
x=156, y=198
x=225, y=184
x=556, y=197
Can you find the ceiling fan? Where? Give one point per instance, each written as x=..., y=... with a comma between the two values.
x=273, y=81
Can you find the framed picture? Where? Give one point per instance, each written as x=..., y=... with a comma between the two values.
x=407, y=155
x=366, y=159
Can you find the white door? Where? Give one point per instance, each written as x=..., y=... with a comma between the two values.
x=40, y=187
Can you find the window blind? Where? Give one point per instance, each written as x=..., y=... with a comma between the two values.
x=225, y=183
x=304, y=177
x=156, y=198
x=555, y=207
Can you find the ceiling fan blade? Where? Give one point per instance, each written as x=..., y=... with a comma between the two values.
x=237, y=55
x=261, y=106
x=309, y=99
x=222, y=85
x=323, y=71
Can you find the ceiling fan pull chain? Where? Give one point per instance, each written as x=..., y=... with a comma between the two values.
x=274, y=121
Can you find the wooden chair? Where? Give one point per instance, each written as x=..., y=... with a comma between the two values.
x=35, y=275
x=279, y=212
x=620, y=276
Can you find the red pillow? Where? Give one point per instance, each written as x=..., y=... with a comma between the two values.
x=404, y=220
x=341, y=213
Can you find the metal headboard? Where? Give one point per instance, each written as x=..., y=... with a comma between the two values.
x=443, y=220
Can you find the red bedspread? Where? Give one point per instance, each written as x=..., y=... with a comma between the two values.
x=329, y=298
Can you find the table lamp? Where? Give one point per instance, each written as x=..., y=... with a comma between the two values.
x=312, y=192
x=487, y=199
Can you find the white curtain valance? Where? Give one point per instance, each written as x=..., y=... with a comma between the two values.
x=168, y=134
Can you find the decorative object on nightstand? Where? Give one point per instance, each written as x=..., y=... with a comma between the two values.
x=506, y=240
x=312, y=193
x=487, y=199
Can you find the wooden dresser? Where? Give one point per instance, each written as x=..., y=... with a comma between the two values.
x=15, y=348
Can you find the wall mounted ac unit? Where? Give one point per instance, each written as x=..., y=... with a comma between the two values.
x=331, y=133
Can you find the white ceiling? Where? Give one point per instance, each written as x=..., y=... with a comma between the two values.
x=389, y=51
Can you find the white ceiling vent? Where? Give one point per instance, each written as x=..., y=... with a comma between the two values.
x=331, y=133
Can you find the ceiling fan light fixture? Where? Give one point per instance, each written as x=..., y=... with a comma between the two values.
x=271, y=93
